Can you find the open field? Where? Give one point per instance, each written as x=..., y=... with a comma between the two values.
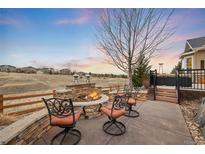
x=16, y=83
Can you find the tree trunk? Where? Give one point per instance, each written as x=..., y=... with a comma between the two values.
x=130, y=78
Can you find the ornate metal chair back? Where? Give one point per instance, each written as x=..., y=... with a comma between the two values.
x=117, y=104
x=59, y=107
x=132, y=92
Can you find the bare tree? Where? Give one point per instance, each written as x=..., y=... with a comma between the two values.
x=127, y=35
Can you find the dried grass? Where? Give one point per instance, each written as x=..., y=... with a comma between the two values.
x=6, y=119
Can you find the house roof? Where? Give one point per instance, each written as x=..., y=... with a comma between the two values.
x=192, y=45
x=197, y=42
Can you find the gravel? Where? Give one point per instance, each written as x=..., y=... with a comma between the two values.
x=189, y=110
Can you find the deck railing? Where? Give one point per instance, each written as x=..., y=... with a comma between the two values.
x=192, y=79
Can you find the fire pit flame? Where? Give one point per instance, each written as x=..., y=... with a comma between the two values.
x=93, y=96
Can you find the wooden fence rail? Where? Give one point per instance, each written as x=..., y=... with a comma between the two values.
x=7, y=106
x=27, y=103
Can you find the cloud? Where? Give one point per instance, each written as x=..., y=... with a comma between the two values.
x=74, y=64
x=16, y=56
x=39, y=64
x=80, y=20
x=8, y=21
x=85, y=16
x=183, y=37
x=84, y=63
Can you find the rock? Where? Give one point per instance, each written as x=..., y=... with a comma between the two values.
x=203, y=131
x=200, y=118
x=188, y=110
x=201, y=143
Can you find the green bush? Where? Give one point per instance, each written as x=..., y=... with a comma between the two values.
x=141, y=72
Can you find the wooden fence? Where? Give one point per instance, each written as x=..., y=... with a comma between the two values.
x=4, y=105
x=27, y=103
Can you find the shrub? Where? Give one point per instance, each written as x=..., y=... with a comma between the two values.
x=141, y=72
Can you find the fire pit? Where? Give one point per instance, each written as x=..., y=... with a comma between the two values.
x=85, y=95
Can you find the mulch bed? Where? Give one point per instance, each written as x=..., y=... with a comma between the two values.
x=189, y=110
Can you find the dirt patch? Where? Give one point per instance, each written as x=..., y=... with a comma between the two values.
x=189, y=110
x=23, y=88
x=15, y=83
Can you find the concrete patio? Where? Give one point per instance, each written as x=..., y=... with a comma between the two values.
x=159, y=123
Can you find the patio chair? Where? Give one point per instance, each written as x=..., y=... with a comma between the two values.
x=61, y=113
x=130, y=98
x=114, y=111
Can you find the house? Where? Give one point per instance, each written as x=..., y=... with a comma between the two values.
x=28, y=70
x=39, y=72
x=65, y=71
x=7, y=68
x=47, y=70
x=193, y=56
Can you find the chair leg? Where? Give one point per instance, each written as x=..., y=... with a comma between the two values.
x=77, y=133
x=57, y=135
x=67, y=131
x=132, y=113
x=119, y=127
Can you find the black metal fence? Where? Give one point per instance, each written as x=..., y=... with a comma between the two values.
x=153, y=79
x=153, y=75
x=185, y=79
x=192, y=79
x=166, y=80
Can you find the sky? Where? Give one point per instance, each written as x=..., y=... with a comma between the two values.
x=65, y=38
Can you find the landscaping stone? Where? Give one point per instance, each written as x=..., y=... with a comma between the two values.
x=200, y=118
x=26, y=130
x=203, y=131
x=191, y=112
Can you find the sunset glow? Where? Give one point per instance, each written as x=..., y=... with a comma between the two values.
x=65, y=38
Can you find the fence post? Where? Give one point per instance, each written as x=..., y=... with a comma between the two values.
x=150, y=78
x=1, y=103
x=155, y=80
x=178, y=86
x=54, y=93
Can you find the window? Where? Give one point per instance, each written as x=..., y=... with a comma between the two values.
x=189, y=63
x=202, y=64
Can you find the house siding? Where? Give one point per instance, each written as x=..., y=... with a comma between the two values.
x=198, y=56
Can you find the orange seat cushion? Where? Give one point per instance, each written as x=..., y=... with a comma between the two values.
x=115, y=114
x=108, y=106
x=131, y=101
x=64, y=121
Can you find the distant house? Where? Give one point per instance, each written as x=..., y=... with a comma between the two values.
x=39, y=72
x=7, y=68
x=47, y=70
x=27, y=70
x=193, y=56
x=65, y=71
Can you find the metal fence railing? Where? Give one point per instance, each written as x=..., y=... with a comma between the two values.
x=192, y=79
x=183, y=79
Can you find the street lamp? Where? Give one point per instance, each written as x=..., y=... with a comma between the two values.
x=161, y=67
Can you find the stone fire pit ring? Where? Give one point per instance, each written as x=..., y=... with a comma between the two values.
x=91, y=108
x=103, y=99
